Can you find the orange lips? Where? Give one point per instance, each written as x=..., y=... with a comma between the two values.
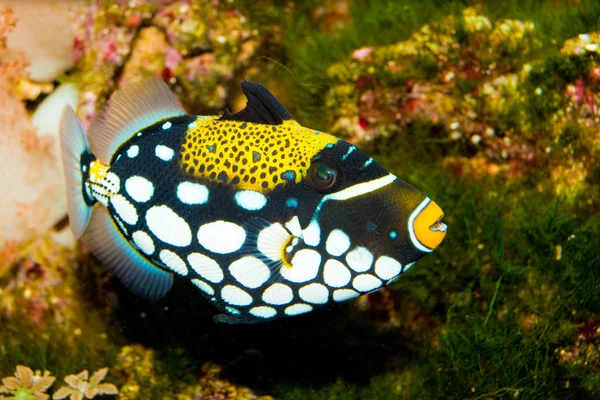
x=428, y=228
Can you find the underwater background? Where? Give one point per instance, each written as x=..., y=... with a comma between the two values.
x=491, y=108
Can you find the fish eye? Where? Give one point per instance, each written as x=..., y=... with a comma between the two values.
x=323, y=175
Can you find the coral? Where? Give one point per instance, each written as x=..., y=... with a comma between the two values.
x=198, y=47
x=35, y=200
x=79, y=387
x=26, y=385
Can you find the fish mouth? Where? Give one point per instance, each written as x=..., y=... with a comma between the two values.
x=427, y=225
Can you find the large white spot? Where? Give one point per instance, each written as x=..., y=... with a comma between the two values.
x=112, y=182
x=335, y=274
x=139, y=188
x=205, y=287
x=314, y=293
x=305, y=266
x=169, y=227
x=236, y=296
x=133, y=151
x=337, y=242
x=387, y=268
x=164, y=153
x=250, y=200
x=143, y=241
x=250, y=271
x=278, y=294
x=221, y=237
x=359, y=259
x=206, y=267
x=366, y=283
x=344, y=294
x=298, y=309
x=271, y=240
x=263, y=312
x=293, y=225
x=173, y=262
x=124, y=209
x=192, y=193
x=312, y=234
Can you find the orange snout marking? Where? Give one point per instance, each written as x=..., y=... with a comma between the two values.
x=428, y=230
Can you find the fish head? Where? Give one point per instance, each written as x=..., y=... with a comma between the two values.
x=364, y=216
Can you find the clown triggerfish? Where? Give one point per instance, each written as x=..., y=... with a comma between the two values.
x=265, y=217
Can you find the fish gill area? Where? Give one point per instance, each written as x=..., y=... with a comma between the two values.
x=491, y=108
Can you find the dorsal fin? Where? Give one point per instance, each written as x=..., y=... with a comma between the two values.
x=129, y=110
x=262, y=107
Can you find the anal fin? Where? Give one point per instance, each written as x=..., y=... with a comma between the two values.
x=132, y=269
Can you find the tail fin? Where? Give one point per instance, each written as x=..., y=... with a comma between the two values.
x=74, y=144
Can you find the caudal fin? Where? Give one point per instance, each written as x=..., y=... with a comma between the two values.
x=74, y=144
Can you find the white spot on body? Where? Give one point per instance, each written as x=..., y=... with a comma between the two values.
x=298, y=309
x=112, y=182
x=192, y=193
x=335, y=274
x=387, y=268
x=359, y=259
x=206, y=267
x=314, y=293
x=205, y=287
x=344, y=294
x=173, y=262
x=169, y=227
x=167, y=125
x=124, y=209
x=236, y=296
x=337, y=242
x=271, y=240
x=250, y=200
x=293, y=225
x=278, y=294
x=305, y=266
x=312, y=234
x=250, y=271
x=143, y=241
x=366, y=283
x=133, y=151
x=139, y=188
x=263, y=312
x=233, y=310
x=163, y=152
x=221, y=237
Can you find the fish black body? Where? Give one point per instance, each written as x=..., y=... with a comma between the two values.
x=265, y=217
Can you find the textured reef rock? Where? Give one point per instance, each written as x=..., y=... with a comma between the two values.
x=201, y=48
x=486, y=87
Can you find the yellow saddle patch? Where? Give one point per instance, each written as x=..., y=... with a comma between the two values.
x=249, y=155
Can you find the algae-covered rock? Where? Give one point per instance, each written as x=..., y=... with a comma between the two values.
x=485, y=87
x=200, y=48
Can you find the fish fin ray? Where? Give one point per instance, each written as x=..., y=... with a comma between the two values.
x=235, y=319
x=129, y=110
x=133, y=270
x=272, y=240
x=262, y=107
x=74, y=144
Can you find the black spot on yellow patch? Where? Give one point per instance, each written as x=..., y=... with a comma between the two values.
x=248, y=155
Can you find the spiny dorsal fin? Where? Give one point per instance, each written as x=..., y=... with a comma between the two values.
x=129, y=110
x=262, y=107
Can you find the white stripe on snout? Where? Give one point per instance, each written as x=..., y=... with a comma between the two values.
x=411, y=228
x=361, y=188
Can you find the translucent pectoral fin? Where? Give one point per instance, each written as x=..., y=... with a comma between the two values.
x=133, y=270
